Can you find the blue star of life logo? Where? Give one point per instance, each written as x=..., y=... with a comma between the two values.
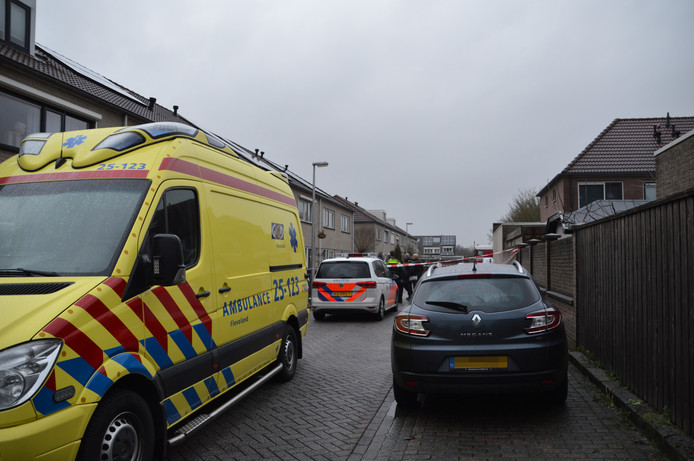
x=293, y=241
x=74, y=141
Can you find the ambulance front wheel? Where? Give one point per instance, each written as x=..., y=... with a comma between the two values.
x=288, y=354
x=121, y=428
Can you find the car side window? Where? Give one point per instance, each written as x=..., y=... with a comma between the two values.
x=380, y=269
x=178, y=213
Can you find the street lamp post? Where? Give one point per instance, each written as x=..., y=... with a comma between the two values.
x=407, y=231
x=313, y=220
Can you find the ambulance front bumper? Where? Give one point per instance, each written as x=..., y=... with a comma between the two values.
x=54, y=437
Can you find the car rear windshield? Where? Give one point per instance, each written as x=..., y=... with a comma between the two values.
x=344, y=270
x=492, y=294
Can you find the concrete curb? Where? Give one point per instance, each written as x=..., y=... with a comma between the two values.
x=669, y=438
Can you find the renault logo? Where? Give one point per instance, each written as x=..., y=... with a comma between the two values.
x=476, y=320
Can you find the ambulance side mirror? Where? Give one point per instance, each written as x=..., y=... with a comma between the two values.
x=168, y=265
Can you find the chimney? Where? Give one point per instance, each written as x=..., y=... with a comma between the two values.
x=176, y=110
x=667, y=120
x=152, y=101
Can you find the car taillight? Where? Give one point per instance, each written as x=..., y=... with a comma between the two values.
x=367, y=284
x=544, y=320
x=318, y=284
x=411, y=324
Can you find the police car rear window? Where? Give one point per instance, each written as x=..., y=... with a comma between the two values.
x=344, y=270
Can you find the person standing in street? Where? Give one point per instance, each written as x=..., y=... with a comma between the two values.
x=398, y=270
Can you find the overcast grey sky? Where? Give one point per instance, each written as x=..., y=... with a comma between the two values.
x=437, y=111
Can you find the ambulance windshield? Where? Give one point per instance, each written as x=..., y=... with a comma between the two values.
x=65, y=228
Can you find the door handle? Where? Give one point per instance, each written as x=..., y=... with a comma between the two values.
x=225, y=289
x=203, y=294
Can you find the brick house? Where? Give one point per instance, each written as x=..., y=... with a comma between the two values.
x=675, y=166
x=374, y=232
x=618, y=165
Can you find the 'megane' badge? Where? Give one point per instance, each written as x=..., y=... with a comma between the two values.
x=277, y=231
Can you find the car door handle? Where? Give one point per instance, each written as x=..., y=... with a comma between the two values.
x=203, y=294
x=225, y=289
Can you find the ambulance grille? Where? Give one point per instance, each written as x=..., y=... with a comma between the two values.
x=15, y=289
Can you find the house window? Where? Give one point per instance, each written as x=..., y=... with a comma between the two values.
x=589, y=192
x=14, y=24
x=328, y=218
x=21, y=117
x=546, y=201
x=649, y=190
x=344, y=223
x=385, y=236
x=378, y=234
x=304, y=210
x=554, y=196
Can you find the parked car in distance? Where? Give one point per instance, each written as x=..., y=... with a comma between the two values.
x=353, y=284
x=478, y=328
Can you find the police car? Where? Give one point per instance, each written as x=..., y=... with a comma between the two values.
x=353, y=284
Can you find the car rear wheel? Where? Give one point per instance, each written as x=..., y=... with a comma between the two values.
x=404, y=397
x=381, y=313
x=318, y=315
x=288, y=354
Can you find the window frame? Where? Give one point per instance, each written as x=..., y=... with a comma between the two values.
x=649, y=185
x=603, y=185
x=6, y=36
x=305, y=208
x=44, y=110
x=345, y=222
x=328, y=218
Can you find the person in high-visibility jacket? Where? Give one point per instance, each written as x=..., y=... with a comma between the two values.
x=399, y=271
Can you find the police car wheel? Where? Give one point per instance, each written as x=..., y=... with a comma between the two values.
x=121, y=428
x=288, y=354
x=318, y=315
x=381, y=313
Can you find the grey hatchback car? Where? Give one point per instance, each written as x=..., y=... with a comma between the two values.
x=478, y=328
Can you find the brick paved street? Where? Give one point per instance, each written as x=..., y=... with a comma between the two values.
x=340, y=406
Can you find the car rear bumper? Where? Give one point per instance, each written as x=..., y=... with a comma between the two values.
x=429, y=369
x=481, y=383
x=345, y=307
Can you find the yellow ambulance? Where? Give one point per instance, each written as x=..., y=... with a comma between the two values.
x=145, y=272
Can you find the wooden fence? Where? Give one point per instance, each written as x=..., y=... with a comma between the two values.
x=635, y=301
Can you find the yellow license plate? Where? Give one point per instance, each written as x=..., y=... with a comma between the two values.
x=342, y=294
x=500, y=361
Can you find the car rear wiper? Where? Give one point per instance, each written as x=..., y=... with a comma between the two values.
x=451, y=304
x=32, y=272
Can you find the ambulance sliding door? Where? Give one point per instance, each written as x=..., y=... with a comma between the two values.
x=246, y=329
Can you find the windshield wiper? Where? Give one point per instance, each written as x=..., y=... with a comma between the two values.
x=31, y=272
x=451, y=304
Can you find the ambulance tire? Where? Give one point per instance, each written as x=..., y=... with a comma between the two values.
x=288, y=354
x=381, y=312
x=122, y=423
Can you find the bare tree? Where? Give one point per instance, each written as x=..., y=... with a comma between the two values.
x=525, y=207
x=363, y=240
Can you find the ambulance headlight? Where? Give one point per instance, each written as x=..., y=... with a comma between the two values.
x=24, y=369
